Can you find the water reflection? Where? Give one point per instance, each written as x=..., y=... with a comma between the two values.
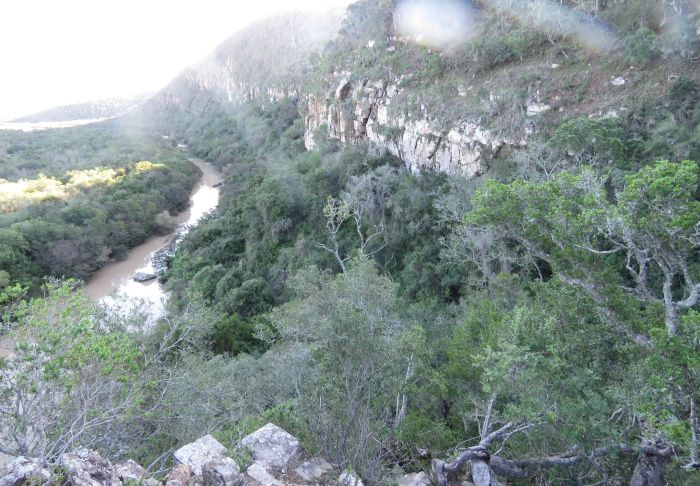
x=114, y=286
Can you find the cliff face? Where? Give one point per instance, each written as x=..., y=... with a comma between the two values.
x=224, y=83
x=270, y=61
x=361, y=112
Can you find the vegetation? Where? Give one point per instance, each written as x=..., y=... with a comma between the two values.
x=541, y=322
x=73, y=222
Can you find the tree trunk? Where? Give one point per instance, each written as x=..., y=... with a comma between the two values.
x=672, y=317
x=650, y=468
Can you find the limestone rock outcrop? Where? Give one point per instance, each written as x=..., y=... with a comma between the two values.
x=199, y=453
x=278, y=460
x=131, y=471
x=23, y=470
x=361, y=112
x=314, y=469
x=222, y=472
x=87, y=468
x=349, y=478
x=179, y=476
x=415, y=479
x=272, y=446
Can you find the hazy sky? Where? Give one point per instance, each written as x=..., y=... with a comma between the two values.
x=55, y=52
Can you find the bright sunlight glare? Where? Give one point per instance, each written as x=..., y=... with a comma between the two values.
x=70, y=51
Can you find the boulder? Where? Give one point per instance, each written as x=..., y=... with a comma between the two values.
x=131, y=471
x=259, y=472
x=87, y=468
x=272, y=446
x=179, y=476
x=144, y=277
x=222, y=472
x=314, y=469
x=535, y=108
x=199, y=452
x=415, y=479
x=23, y=470
x=619, y=81
x=350, y=478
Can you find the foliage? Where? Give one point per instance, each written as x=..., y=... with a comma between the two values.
x=351, y=327
x=384, y=317
x=642, y=46
x=62, y=352
x=271, y=219
x=71, y=225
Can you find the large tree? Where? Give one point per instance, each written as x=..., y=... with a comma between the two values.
x=634, y=255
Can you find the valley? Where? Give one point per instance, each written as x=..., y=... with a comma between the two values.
x=118, y=277
x=416, y=242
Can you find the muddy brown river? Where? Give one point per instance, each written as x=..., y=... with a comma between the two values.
x=114, y=285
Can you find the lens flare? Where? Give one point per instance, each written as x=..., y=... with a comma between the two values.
x=556, y=19
x=438, y=24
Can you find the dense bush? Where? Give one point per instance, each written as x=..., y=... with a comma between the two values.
x=546, y=311
x=71, y=225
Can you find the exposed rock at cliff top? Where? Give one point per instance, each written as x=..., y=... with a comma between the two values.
x=356, y=113
x=279, y=460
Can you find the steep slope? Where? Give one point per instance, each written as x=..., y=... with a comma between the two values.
x=508, y=80
x=513, y=79
x=267, y=60
x=537, y=325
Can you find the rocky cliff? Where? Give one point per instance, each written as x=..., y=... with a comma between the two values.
x=362, y=111
x=270, y=61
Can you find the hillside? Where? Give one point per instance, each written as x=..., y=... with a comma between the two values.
x=518, y=77
x=90, y=110
x=267, y=60
x=456, y=242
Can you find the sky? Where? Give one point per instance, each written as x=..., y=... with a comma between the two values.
x=55, y=52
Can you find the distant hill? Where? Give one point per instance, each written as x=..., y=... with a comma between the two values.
x=270, y=58
x=104, y=108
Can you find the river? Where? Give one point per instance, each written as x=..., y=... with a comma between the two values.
x=114, y=285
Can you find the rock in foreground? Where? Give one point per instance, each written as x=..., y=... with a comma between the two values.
x=273, y=446
x=279, y=460
x=144, y=277
x=197, y=454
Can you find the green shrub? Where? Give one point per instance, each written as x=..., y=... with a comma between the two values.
x=489, y=51
x=603, y=139
x=233, y=336
x=642, y=46
x=683, y=96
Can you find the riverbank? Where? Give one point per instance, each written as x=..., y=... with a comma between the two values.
x=113, y=284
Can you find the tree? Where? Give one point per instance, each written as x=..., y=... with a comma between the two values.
x=366, y=202
x=356, y=342
x=570, y=224
x=657, y=226
x=631, y=256
x=531, y=375
x=68, y=384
